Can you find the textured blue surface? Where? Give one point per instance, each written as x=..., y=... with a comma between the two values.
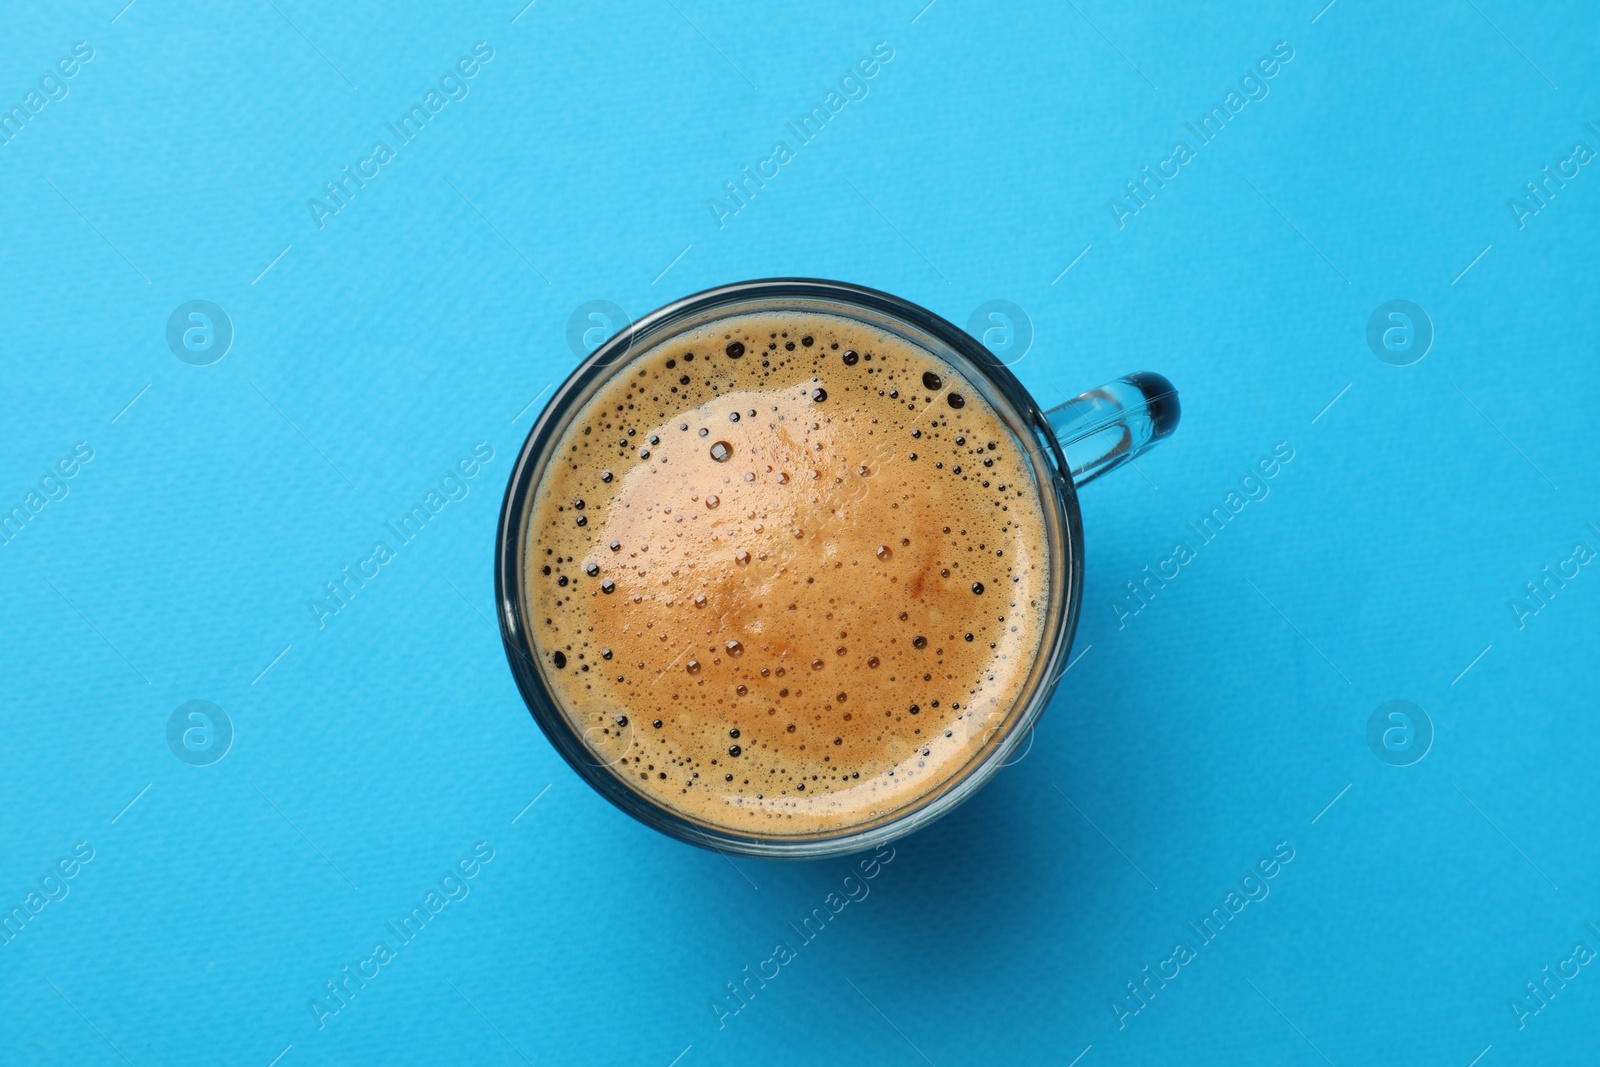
x=376, y=346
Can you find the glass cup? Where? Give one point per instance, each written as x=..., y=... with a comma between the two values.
x=1065, y=447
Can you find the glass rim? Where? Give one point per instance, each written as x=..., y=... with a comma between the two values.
x=1064, y=584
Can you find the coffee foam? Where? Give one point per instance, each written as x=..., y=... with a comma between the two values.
x=786, y=573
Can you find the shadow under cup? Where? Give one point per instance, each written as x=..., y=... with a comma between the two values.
x=1027, y=424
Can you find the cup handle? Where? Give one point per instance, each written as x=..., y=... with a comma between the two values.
x=1106, y=427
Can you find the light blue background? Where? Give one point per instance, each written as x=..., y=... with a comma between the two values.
x=1222, y=719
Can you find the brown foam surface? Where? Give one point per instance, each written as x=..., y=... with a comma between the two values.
x=790, y=591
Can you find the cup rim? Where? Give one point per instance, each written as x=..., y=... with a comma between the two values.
x=1065, y=599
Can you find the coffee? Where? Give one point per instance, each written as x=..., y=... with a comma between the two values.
x=786, y=573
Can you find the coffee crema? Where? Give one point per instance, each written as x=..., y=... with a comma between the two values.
x=786, y=573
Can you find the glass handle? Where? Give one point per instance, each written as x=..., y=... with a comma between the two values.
x=1106, y=427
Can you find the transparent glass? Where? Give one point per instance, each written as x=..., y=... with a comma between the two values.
x=1065, y=447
